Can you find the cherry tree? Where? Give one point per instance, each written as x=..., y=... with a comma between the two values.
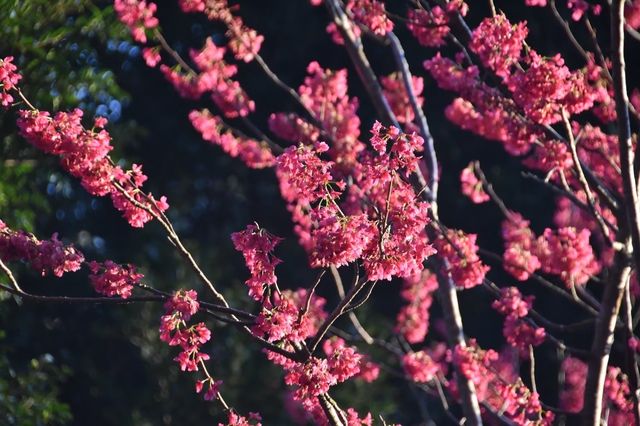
x=364, y=207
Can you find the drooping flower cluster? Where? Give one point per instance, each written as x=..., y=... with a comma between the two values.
x=568, y=254
x=394, y=90
x=324, y=94
x=400, y=246
x=216, y=77
x=518, y=332
x=306, y=183
x=371, y=14
x=547, y=86
x=253, y=153
x=459, y=253
x=431, y=27
x=316, y=376
x=138, y=15
x=472, y=186
x=616, y=395
x=565, y=252
x=498, y=43
x=499, y=386
x=111, y=279
x=519, y=257
x=245, y=42
x=420, y=367
x=482, y=109
x=212, y=75
x=44, y=256
x=84, y=154
x=175, y=331
x=289, y=318
x=257, y=245
x=413, y=319
x=9, y=78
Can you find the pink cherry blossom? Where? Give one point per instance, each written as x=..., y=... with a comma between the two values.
x=257, y=245
x=472, y=186
x=111, y=279
x=9, y=78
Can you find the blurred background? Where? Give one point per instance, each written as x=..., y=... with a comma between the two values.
x=104, y=365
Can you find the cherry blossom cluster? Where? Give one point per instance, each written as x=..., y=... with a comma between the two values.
x=460, y=258
x=257, y=245
x=138, y=15
x=84, y=154
x=497, y=384
x=617, y=395
x=472, y=186
x=9, y=78
x=214, y=76
x=45, y=256
x=519, y=333
x=324, y=94
x=413, y=319
x=175, y=331
x=541, y=89
x=568, y=254
x=565, y=252
x=111, y=279
x=289, y=318
x=420, y=367
x=431, y=27
x=498, y=44
x=371, y=14
x=253, y=153
x=316, y=376
x=519, y=259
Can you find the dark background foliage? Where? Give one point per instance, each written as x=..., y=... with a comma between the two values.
x=104, y=365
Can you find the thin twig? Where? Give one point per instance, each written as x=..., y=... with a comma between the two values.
x=582, y=179
x=352, y=316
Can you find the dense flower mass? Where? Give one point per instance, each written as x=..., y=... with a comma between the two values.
x=371, y=14
x=498, y=43
x=568, y=254
x=291, y=317
x=547, y=86
x=44, y=256
x=419, y=367
x=431, y=27
x=111, y=279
